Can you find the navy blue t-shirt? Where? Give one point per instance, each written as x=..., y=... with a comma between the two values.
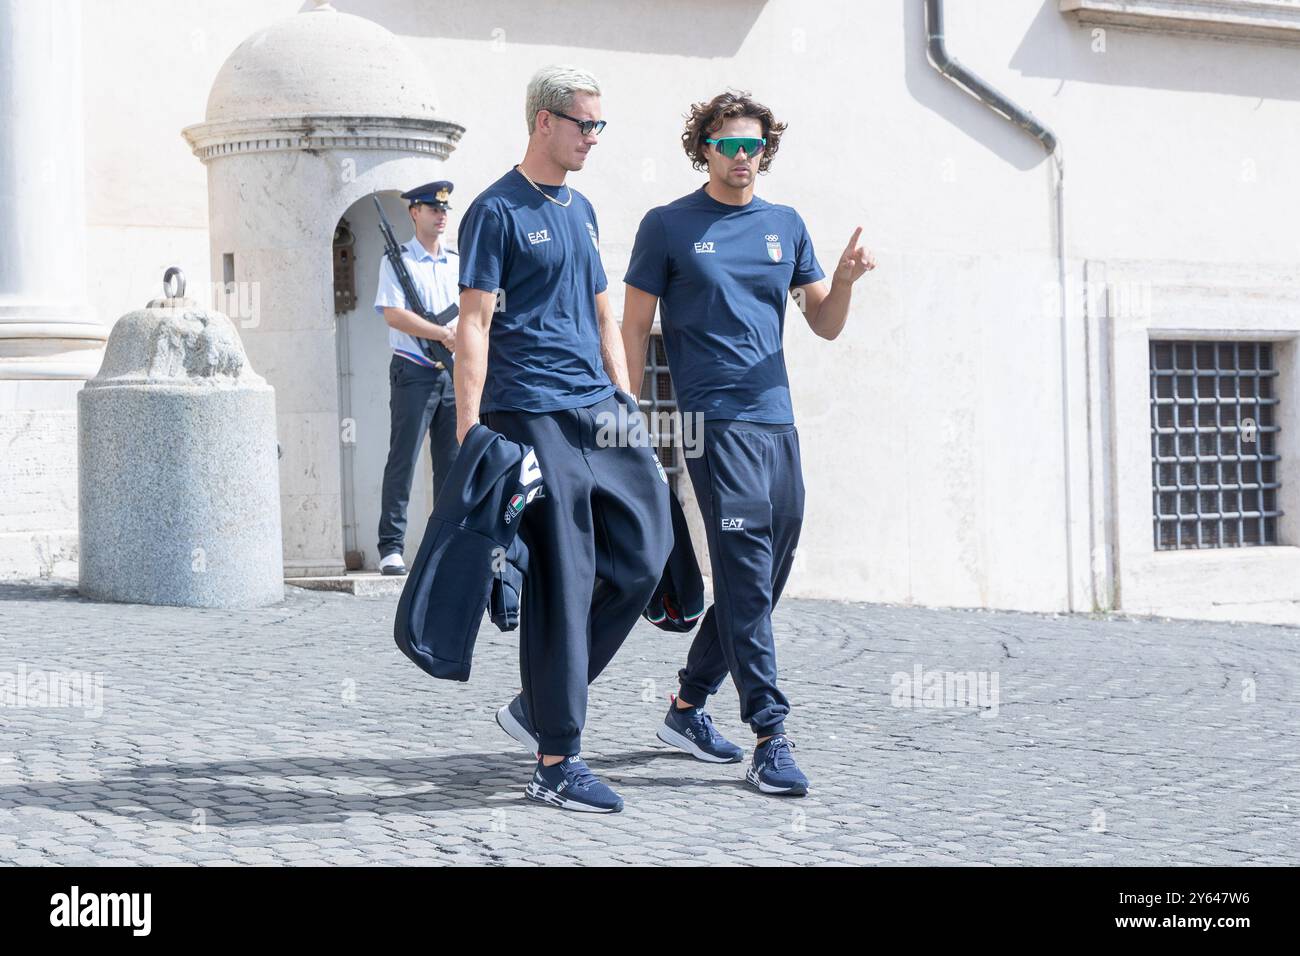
x=544, y=343
x=722, y=274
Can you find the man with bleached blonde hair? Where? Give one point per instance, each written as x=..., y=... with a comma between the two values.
x=539, y=359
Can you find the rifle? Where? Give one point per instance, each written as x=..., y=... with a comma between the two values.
x=434, y=351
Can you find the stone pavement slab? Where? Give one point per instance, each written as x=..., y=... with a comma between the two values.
x=298, y=734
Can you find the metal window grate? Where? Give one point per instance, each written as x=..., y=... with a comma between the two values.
x=658, y=400
x=1214, y=459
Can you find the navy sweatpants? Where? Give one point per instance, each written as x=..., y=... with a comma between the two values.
x=598, y=538
x=420, y=399
x=749, y=484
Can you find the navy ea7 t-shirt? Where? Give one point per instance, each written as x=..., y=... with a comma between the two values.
x=722, y=274
x=544, y=259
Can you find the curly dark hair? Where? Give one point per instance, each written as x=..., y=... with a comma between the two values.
x=705, y=119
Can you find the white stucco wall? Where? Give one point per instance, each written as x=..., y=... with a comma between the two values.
x=931, y=430
x=148, y=67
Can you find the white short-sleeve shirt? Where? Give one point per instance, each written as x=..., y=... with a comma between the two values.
x=437, y=281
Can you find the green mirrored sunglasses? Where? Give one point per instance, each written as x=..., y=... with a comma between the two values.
x=729, y=146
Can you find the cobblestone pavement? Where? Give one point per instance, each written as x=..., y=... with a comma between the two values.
x=298, y=734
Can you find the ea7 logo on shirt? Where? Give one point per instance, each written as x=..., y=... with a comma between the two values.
x=541, y=235
x=733, y=524
x=703, y=247
x=773, y=247
x=591, y=231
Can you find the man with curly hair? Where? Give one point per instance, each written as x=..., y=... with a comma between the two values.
x=719, y=263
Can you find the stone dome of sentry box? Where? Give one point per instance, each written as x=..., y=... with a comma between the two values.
x=321, y=62
x=322, y=80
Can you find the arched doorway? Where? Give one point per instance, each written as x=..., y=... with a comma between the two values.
x=363, y=358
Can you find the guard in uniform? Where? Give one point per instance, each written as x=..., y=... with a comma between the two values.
x=422, y=397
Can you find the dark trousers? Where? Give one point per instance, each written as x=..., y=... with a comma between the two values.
x=598, y=538
x=749, y=484
x=420, y=400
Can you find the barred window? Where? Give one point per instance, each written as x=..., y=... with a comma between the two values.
x=1214, y=459
x=658, y=400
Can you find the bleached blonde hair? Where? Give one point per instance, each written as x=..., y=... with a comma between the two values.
x=553, y=88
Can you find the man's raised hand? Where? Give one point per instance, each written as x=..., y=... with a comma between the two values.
x=855, y=260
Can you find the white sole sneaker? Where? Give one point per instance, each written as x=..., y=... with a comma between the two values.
x=506, y=721
x=752, y=776
x=674, y=739
x=542, y=794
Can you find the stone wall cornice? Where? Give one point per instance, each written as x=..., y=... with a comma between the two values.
x=319, y=132
x=1268, y=20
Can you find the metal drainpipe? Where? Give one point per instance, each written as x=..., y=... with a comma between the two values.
x=950, y=67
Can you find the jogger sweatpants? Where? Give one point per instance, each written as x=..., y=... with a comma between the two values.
x=749, y=484
x=598, y=538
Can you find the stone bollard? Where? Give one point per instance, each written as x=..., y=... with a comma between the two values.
x=178, y=472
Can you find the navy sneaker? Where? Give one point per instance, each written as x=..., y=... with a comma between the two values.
x=692, y=730
x=571, y=785
x=512, y=720
x=774, y=770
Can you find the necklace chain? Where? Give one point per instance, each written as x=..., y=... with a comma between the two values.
x=546, y=195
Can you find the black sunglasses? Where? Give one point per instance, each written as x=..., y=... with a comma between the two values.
x=584, y=126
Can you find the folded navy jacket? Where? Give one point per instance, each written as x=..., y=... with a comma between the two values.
x=678, y=602
x=470, y=554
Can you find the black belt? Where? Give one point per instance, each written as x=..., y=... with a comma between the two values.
x=436, y=366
